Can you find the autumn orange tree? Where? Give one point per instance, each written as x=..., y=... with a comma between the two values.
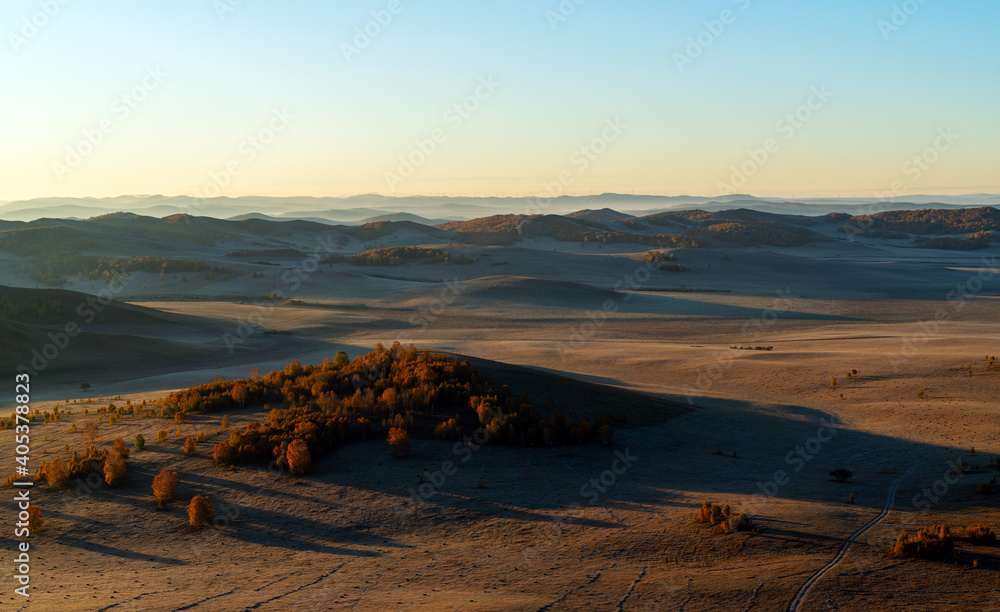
x=114, y=470
x=299, y=459
x=399, y=442
x=190, y=447
x=165, y=487
x=56, y=473
x=200, y=512
x=90, y=430
x=120, y=447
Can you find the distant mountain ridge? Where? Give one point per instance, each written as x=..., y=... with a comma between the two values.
x=438, y=209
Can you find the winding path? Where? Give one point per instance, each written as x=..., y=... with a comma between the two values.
x=803, y=592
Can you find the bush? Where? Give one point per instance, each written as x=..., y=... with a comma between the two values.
x=140, y=442
x=740, y=522
x=299, y=459
x=712, y=513
x=931, y=543
x=985, y=488
x=114, y=470
x=978, y=534
x=842, y=474
x=165, y=487
x=448, y=429
x=160, y=437
x=399, y=442
x=190, y=447
x=200, y=512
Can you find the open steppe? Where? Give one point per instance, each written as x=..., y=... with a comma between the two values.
x=524, y=528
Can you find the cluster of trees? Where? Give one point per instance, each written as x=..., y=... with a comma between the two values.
x=57, y=473
x=931, y=221
x=754, y=233
x=22, y=309
x=972, y=242
x=340, y=401
x=106, y=268
x=714, y=514
x=937, y=543
x=659, y=257
x=509, y=229
x=371, y=231
x=394, y=256
x=265, y=253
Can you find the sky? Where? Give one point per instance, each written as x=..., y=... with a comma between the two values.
x=514, y=98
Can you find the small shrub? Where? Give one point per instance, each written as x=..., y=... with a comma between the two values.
x=740, y=522
x=225, y=422
x=160, y=437
x=140, y=442
x=35, y=520
x=842, y=474
x=190, y=447
x=200, y=512
x=985, y=488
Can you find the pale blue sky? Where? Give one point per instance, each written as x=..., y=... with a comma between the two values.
x=892, y=92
